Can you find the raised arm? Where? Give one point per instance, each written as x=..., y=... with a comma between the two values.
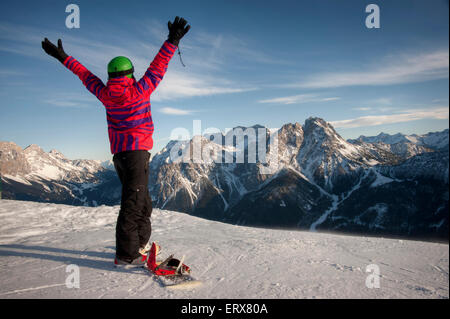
x=90, y=81
x=155, y=73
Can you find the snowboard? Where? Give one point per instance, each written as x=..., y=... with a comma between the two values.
x=178, y=282
x=170, y=273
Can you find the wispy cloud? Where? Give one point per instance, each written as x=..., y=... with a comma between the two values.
x=438, y=113
x=439, y=100
x=9, y=73
x=329, y=99
x=175, y=111
x=178, y=85
x=382, y=104
x=298, y=99
x=382, y=101
x=71, y=100
x=392, y=70
x=376, y=109
x=364, y=108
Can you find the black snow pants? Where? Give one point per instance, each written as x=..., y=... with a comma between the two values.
x=133, y=227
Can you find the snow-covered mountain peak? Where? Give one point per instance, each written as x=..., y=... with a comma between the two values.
x=56, y=154
x=437, y=140
x=386, y=138
x=33, y=149
x=9, y=149
x=36, y=164
x=315, y=124
x=291, y=129
x=8, y=145
x=290, y=139
x=433, y=140
x=323, y=134
x=322, y=137
x=12, y=159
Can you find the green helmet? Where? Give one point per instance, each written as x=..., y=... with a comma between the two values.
x=120, y=66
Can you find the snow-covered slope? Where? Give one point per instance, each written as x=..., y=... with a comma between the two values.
x=38, y=241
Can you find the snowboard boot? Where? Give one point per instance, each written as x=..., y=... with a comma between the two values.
x=137, y=262
x=144, y=250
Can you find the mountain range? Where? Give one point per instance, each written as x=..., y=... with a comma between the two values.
x=35, y=175
x=386, y=185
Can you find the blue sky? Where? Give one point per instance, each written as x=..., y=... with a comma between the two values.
x=247, y=62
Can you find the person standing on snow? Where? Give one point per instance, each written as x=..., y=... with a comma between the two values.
x=130, y=129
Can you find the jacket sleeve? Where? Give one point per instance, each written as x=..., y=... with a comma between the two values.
x=90, y=81
x=157, y=69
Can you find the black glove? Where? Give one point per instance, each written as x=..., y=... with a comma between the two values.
x=177, y=30
x=56, y=52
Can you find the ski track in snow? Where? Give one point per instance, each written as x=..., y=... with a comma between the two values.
x=38, y=241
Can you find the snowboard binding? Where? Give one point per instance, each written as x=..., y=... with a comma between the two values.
x=170, y=267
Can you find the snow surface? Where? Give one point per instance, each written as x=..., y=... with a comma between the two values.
x=38, y=241
x=380, y=180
